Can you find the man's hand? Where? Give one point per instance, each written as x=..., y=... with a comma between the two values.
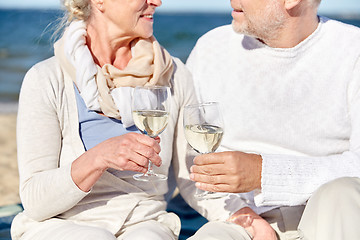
x=254, y=224
x=234, y=172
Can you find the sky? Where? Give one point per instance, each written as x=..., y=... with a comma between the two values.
x=327, y=6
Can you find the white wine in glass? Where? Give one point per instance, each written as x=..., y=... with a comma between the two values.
x=204, y=138
x=204, y=129
x=151, y=122
x=150, y=111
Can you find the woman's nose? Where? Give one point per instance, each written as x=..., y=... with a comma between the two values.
x=156, y=3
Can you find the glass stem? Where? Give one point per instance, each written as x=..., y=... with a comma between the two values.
x=150, y=169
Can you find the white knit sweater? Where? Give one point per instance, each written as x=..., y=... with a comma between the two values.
x=298, y=107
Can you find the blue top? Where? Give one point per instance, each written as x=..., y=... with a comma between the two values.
x=95, y=128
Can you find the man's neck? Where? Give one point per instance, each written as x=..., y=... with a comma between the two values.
x=295, y=30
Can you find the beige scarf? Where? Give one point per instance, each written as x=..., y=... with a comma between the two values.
x=150, y=65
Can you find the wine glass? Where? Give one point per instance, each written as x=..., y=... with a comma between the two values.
x=204, y=130
x=150, y=111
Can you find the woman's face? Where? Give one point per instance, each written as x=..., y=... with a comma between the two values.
x=133, y=18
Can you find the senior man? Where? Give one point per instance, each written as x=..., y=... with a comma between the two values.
x=288, y=82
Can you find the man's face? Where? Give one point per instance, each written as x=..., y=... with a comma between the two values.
x=258, y=18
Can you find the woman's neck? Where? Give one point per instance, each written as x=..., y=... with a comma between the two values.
x=108, y=48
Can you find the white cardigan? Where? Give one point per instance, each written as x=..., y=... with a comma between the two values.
x=48, y=142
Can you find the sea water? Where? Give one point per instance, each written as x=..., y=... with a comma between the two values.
x=25, y=39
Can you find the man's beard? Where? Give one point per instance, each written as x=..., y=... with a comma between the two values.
x=265, y=25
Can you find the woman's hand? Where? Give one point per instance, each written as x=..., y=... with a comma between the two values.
x=128, y=152
x=231, y=171
x=253, y=224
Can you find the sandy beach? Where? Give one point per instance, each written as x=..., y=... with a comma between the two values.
x=9, y=176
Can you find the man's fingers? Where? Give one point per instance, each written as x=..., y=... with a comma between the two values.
x=209, y=179
x=213, y=188
x=210, y=158
x=213, y=169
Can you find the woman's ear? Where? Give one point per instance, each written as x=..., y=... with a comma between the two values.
x=98, y=4
x=291, y=4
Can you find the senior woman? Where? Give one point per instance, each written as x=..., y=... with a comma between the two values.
x=77, y=146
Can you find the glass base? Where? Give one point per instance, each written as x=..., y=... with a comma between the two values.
x=200, y=194
x=153, y=177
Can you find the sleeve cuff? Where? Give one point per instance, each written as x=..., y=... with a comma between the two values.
x=75, y=191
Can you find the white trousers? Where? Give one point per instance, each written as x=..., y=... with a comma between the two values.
x=66, y=230
x=332, y=213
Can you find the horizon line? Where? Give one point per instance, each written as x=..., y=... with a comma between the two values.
x=347, y=14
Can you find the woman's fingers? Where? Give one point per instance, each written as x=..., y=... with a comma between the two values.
x=133, y=166
x=148, y=149
x=148, y=141
x=133, y=152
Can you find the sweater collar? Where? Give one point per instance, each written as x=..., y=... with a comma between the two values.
x=251, y=43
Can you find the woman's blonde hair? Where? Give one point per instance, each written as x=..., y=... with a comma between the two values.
x=74, y=10
x=77, y=9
